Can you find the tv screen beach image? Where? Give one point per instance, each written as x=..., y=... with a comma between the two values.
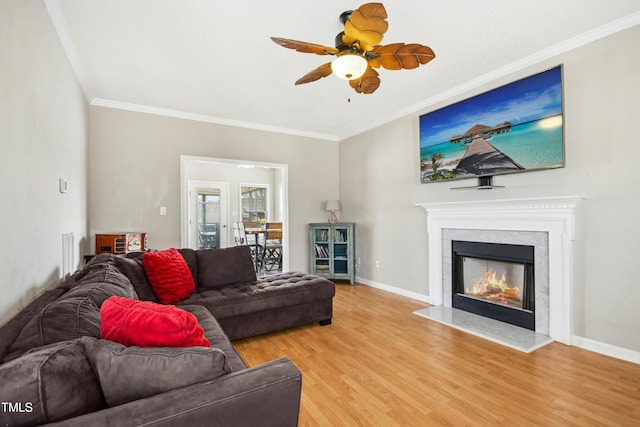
x=514, y=128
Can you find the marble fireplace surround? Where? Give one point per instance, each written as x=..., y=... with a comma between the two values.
x=538, y=222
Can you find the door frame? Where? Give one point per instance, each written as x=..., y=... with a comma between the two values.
x=284, y=169
x=192, y=186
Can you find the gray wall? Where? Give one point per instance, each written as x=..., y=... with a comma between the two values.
x=379, y=188
x=43, y=137
x=135, y=168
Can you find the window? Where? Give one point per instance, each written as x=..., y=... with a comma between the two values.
x=254, y=202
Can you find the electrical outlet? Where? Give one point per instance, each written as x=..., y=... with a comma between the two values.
x=377, y=263
x=163, y=210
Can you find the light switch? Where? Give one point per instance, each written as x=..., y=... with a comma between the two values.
x=163, y=210
x=63, y=184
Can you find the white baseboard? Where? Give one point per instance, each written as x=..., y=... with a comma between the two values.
x=585, y=343
x=393, y=289
x=606, y=349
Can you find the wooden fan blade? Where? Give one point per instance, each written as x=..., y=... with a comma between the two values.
x=366, y=25
x=397, y=56
x=317, y=74
x=305, y=47
x=368, y=83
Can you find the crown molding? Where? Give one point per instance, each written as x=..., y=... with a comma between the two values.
x=100, y=102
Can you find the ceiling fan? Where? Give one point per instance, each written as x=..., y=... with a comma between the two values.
x=357, y=50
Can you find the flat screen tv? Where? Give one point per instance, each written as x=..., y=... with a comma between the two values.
x=515, y=128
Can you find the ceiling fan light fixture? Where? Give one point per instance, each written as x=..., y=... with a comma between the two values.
x=358, y=51
x=349, y=66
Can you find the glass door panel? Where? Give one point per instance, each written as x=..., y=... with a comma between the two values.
x=340, y=250
x=208, y=218
x=207, y=213
x=321, y=264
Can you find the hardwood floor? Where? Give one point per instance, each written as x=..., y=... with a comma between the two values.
x=378, y=364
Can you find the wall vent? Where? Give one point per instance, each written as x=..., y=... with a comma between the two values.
x=68, y=254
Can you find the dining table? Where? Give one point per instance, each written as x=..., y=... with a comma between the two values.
x=258, y=242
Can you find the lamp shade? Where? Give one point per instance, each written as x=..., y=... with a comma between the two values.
x=333, y=205
x=349, y=66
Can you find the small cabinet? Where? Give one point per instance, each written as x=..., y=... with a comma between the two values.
x=331, y=251
x=121, y=243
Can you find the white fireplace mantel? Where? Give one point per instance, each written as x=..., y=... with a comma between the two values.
x=554, y=216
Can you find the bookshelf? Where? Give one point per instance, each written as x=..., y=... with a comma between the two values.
x=331, y=252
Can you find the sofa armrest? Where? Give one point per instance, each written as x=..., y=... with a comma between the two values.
x=265, y=395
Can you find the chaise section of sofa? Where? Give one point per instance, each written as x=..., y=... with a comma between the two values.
x=247, y=305
x=268, y=304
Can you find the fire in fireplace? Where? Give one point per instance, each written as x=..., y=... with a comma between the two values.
x=489, y=285
x=495, y=280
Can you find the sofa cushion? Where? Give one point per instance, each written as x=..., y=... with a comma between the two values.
x=98, y=292
x=169, y=275
x=147, y=324
x=97, y=262
x=51, y=383
x=214, y=333
x=189, y=256
x=62, y=320
x=267, y=293
x=10, y=331
x=131, y=373
x=100, y=285
x=220, y=267
x=134, y=270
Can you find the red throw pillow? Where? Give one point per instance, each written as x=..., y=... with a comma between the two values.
x=148, y=324
x=169, y=275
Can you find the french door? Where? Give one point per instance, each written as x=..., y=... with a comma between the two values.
x=207, y=213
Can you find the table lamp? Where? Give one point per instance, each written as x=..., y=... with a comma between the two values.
x=333, y=206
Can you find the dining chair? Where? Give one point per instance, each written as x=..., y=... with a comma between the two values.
x=272, y=248
x=253, y=240
x=238, y=238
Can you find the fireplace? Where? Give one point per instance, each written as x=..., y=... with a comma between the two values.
x=494, y=280
x=514, y=221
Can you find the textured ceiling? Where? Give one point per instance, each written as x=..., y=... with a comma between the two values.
x=214, y=61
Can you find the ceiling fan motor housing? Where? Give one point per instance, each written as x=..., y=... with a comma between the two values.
x=344, y=16
x=339, y=43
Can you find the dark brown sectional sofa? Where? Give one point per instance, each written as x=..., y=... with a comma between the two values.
x=54, y=368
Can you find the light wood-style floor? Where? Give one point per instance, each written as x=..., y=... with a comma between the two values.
x=378, y=364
